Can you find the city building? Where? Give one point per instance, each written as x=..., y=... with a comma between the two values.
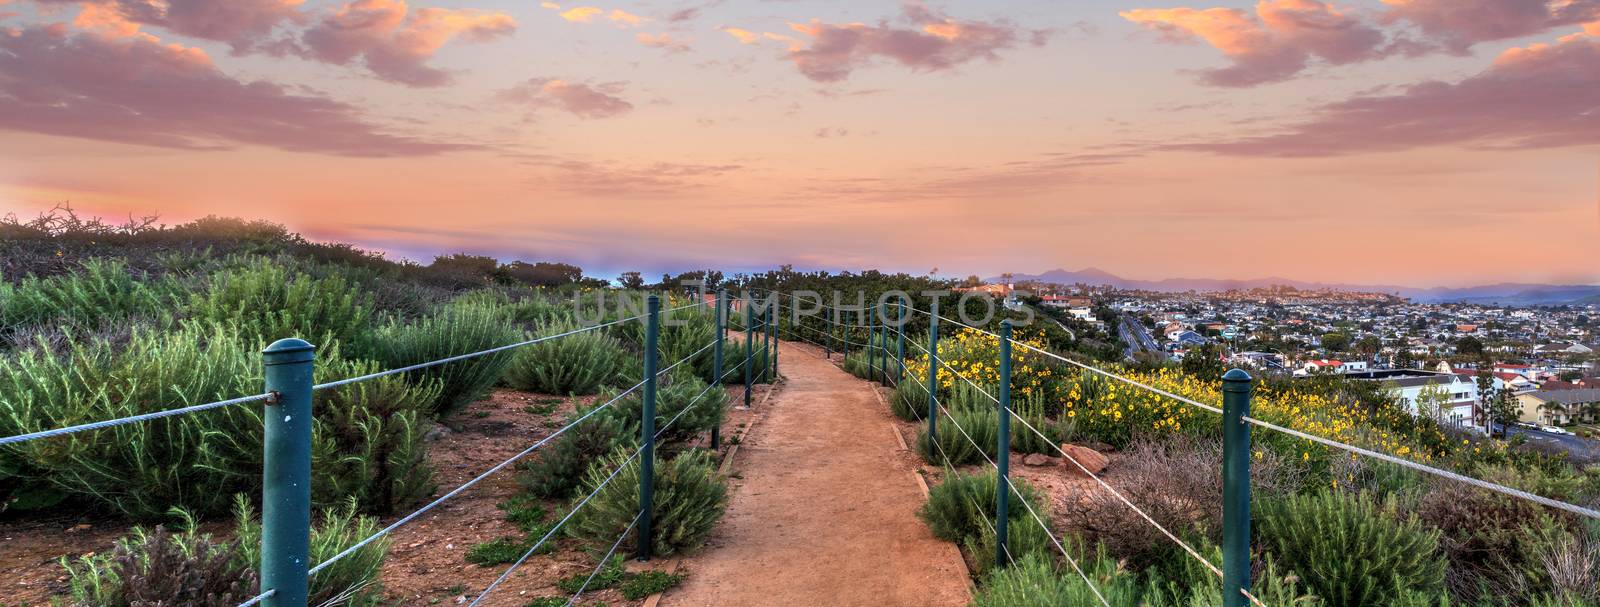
x=1559, y=406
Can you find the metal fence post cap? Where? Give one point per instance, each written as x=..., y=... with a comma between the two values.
x=289, y=351
x=1236, y=380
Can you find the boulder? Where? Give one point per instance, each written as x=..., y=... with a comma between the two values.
x=1037, y=459
x=1099, y=446
x=1089, y=458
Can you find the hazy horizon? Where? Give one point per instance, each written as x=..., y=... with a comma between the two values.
x=1408, y=142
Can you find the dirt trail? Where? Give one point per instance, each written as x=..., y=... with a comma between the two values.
x=823, y=510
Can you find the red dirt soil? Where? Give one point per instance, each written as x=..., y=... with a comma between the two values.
x=823, y=510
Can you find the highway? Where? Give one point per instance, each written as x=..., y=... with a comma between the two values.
x=1136, y=337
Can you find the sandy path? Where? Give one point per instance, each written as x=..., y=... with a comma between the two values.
x=823, y=510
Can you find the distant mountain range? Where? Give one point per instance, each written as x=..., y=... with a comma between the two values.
x=1522, y=294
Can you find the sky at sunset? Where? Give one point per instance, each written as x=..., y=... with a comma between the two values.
x=1419, y=142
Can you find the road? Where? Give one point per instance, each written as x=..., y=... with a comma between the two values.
x=1137, y=337
x=1578, y=448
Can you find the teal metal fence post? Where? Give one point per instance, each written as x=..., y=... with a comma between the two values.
x=1003, y=450
x=933, y=372
x=872, y=354
x=766, y=345
x=845, y=334
x=900, y=346
x=716, y=360
x=777, y=328
x=749, y=346
x=647, y=427
x=286, y=473
x=1236, y=388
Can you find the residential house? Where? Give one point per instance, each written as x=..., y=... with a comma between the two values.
x=1450, y=398
x=1570, y=347
x=1559, y=406
x=1326, y=365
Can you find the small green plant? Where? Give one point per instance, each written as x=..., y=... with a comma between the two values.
x=690, y=496
x=608, y=576
x=155, y=566
x=646, y=583
x=352, y=580
x=497, y=552
x=580, y=363
x=1352, y=549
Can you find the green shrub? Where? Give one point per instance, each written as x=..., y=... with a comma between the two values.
x=961, y=510
x=1054, y=430
x=1352, y=550
x=701, y=409
x=1493, y=541
x=581, y=363
x=559, y=465
x=910, y=400
x=266, y=299
x=100, y=291
x=158, y=567
x=1034, y=581
x=966, y=436
x=958, y=507
x=1195, y=585
x=690, y=496
x=366, y=438
x=456, y=329
x=155, y=567
x=353, y=580
x=369, y=439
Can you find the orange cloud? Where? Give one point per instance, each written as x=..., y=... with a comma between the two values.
x=744, y=36
x=1275, y=44
x=395, y=43
x=663, y=41
x=582, y=14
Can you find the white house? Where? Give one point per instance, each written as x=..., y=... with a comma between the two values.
x=1447, y=397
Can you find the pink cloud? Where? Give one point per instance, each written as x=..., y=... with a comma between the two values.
x=663, y=41
x=579, y=99
x=395, y=43
x=242, y=24
x=137, y=90
x=935, y=43
x=1274, y=44
x=1459, y=24
x=1541, y=96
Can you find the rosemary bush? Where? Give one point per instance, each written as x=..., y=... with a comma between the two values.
x=690, y=496
x=269, y=300
x=457, y=328
x=366, y=439
x=1352, y=549
x=581, y=363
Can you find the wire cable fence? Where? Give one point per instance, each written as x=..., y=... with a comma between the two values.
x=1236, y=420
x=285, y=574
